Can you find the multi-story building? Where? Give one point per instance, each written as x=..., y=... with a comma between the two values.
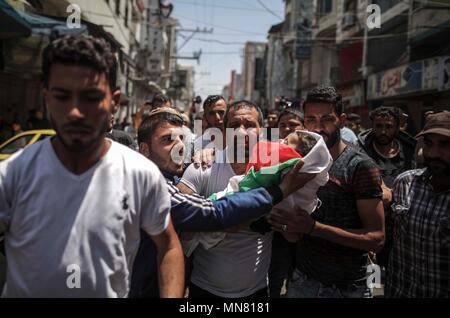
x=278, y=67
x=253, y=72
x=20, y=79
x=182, y=87
x=409, y=62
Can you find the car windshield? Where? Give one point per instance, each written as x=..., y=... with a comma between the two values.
x=16, y=144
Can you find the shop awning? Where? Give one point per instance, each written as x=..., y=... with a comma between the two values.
x=11, y=22
x=23, y=24
x=41, y=25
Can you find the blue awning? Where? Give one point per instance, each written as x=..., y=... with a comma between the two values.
x=18, y=23
x=47, y=26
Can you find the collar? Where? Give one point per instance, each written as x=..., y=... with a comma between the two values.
x=399, y=150
x=170, y=177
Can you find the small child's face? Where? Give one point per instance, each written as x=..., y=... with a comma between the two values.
x=300, y=141
x=293, y=140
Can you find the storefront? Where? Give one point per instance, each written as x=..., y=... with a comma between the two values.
x=416, y=87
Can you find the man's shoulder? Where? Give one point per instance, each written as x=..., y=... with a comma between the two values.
x=133, y=160
x=354, y=156
x=27, y=155
x=409, y=175
x=120, y=134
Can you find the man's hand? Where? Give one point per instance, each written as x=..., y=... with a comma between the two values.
x=295, y=180
x=204, y=158
x=297, y=223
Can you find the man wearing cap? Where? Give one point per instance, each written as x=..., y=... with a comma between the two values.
x=419, y=265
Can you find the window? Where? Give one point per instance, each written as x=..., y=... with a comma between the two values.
x=386, y=4
x=325, y=7
x=42, y=137
x=117, y=7
x=16, y=144
x=125, y=18
x=350, y=6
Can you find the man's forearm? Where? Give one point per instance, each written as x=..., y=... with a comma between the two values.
x=358, y=239
x=171, y=271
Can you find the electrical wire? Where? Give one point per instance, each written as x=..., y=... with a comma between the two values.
x=269, y=10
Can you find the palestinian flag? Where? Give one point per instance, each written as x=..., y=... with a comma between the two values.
x=267, y=162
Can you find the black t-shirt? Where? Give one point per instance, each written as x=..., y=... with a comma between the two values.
x=353, y=176
x=390, y=168
x=122, y=137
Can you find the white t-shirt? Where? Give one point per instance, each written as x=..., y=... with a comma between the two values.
x=238, y=265
x=64, y=231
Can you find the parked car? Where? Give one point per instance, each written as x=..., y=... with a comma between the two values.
x=22, y=140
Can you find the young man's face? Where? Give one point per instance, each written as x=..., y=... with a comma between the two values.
x=385, y=129
x=244, y=122
x=214, y=114
x=166, y=148
x=322, y=119
x=80, y=103
x=356, y=127
x=436, y=154
x=272, y=120
x=288, y=124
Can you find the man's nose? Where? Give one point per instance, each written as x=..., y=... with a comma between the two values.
x=75, y=111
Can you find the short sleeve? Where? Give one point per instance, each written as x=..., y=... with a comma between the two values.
x=155, y=213
x=193, y=178
x=366, y=181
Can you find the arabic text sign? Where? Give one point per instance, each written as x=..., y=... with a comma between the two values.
x=397, y=81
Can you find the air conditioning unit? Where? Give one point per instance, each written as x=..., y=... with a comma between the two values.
x=348, y=20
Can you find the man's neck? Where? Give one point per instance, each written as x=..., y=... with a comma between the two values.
x=337, y=149
x=76, y=162
x=387, y=150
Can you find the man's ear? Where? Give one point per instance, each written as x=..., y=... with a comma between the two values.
x=115, y=102
x=342, y=120
x=144, y=149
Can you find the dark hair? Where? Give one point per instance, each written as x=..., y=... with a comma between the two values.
x=325, y=94
x=273, y=112
x=296, y=111
x=80, y=50
x=386, y=112
x=354, y=118
x=150, y=123
x=243, y=104
x=211, y=100
x=159, y=99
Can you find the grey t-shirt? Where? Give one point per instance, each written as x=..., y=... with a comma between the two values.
x=73, y=235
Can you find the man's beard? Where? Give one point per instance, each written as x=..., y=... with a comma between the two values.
x=384, y=140
x=78, y=146
x=331, y=139
x=441, y=171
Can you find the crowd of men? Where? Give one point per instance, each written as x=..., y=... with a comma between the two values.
x=100, y=212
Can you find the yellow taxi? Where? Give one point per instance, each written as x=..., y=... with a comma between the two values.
x=22, y=140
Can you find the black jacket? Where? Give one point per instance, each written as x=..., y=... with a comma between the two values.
x=390, y=168
x=122, y=137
